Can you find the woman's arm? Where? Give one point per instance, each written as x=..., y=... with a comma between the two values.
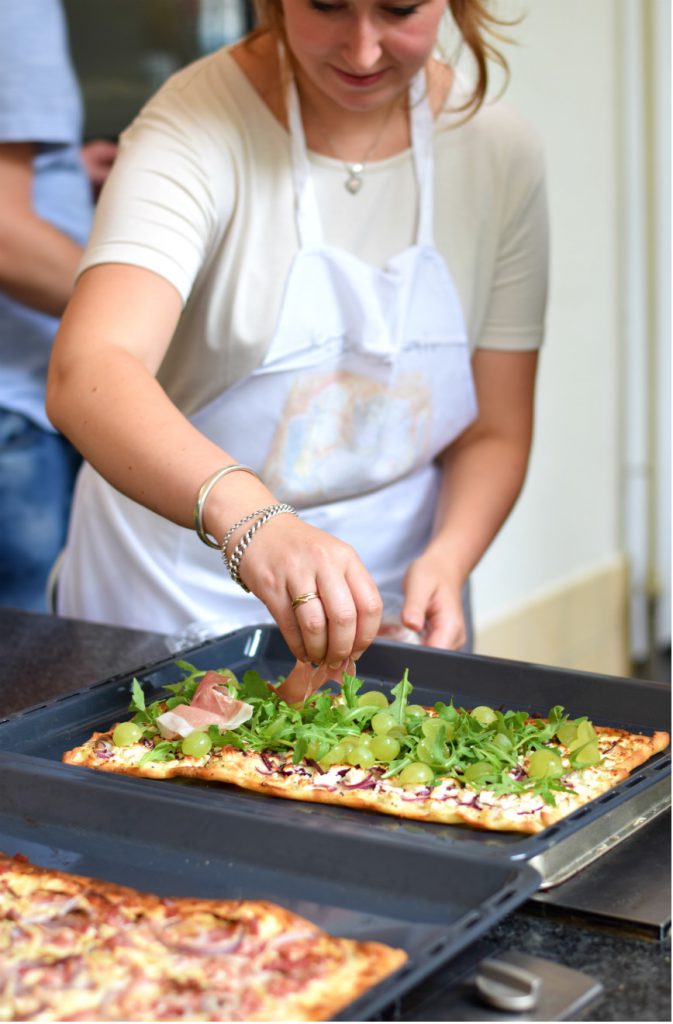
x=483, y=473
x=103, y=395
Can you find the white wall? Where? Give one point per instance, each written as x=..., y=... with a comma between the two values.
x=568, y=520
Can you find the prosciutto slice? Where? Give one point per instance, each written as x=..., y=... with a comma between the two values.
x=212, y=695
x=211, y=705
x=305, y=678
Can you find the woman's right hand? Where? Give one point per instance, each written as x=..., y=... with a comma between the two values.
x=288, y=558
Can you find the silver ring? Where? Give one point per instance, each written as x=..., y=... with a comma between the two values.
x=303, y=598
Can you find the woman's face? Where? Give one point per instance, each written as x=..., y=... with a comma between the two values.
x=361, y=53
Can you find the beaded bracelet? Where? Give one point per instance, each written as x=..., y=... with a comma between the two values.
x=233, y=564
x=204, y=491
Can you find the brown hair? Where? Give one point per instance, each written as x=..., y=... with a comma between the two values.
x=473, y=19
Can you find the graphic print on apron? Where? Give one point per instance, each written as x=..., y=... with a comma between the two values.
x=341, y=426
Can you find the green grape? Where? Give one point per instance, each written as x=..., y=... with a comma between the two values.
x=545, y=763
x=197, y=744
x=424, y=753
x=372, y=699
x=484, y=715
x=567, y=733
x=385, y=748
x=476, y=772
x=397, y=731
x=343, y=747
x=416, y=774
x=416, y=711
x=585, y=733
x=332, y=757
x=126, y=734
x=432, y=727
x=383, y=722
x=503, y=741
x=365, y=739
x=363, y=757
x=312, y=749
x=589, y=755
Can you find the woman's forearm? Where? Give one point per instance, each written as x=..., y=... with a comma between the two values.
x=481, y=480
x=482, y=474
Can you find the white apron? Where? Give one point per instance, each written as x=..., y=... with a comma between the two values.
x=366, y=380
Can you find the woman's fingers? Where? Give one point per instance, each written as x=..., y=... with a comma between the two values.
x=311, y=620
x=369, y=608
x=432, y=605
x=352, y=608
x=317, y=589
x=445, y=630
x=328, y=621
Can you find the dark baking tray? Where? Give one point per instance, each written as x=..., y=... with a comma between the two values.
x=45, y=731
x=111, y=829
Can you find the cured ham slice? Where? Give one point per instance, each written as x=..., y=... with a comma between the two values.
x=305, y=678
x=183, y=720
x=212, y=695
x=211, y=705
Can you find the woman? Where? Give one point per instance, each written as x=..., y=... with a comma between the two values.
x=319, y=257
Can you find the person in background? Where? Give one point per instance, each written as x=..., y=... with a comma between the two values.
x=45, y=217
x=306, y=334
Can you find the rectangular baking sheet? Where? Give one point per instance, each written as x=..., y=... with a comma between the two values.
x=44, y=732
x=425, y=904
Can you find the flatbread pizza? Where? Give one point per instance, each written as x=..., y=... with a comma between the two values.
x=502, y=770
x=75, y=948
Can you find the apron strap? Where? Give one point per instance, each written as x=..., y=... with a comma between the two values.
x=309, y=225
x=422, y=142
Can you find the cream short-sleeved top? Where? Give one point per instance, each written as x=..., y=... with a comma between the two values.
x=202, y=194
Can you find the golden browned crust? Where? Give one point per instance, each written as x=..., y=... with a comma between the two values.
x=449, y=804
x=74, y=948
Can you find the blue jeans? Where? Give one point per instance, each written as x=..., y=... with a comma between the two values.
x=37, y=474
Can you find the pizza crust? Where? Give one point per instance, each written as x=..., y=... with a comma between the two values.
x=450, y=803
x=74, y=948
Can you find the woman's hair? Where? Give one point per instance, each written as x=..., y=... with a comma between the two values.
x=473, y=19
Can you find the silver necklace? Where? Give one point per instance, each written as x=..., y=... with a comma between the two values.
x=355, y=170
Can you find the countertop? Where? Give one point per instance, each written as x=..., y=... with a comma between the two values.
x=45, y=656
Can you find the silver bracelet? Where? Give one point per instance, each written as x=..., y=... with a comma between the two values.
x=232, y=530
x=233, y=564
x=205, y=490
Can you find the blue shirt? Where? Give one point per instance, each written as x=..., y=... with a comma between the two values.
x=40, y=103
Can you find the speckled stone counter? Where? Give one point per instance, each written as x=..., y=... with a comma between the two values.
x=43, y=657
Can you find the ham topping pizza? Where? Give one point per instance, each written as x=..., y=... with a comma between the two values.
x=76, y=949
x=491, y=769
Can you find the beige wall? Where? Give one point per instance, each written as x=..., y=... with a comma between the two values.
x=565, y=545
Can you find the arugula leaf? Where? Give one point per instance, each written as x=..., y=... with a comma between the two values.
x=137, y=698
x=401, y=694
x=253, y=687
x=349, y=689
x=164, y=751
x=225, y=739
